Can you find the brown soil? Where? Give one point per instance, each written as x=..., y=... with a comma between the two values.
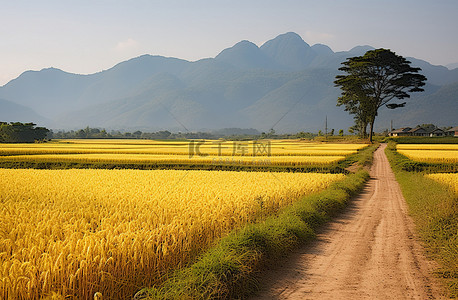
x=370, y=252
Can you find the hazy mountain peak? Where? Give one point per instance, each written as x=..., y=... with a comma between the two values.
x=45, y=72
x=290, y=51
x=322, y=49
x=51, y=69
x=289, y=38
x=361, y=50
x=452, y=66
x=242, y=46
x=245, y=43
x=244, y=55
x=149, y=63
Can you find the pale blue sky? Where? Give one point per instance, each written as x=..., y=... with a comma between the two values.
x=87, y=36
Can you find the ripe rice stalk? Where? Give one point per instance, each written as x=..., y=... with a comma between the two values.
x=148, y=223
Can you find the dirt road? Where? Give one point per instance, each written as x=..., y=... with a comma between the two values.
x=370, y=252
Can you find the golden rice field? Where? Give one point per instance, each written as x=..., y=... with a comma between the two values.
x=434, y=153
x=160, y=150
x=450, y=179
x=427, y=147
x=276, y=153
x=178, y=159
x=208, y=147
x=78, y=232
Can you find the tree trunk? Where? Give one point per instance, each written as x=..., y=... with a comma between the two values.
x=371, y=130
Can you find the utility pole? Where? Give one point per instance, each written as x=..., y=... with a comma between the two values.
x=391, y=125
x=326, y=128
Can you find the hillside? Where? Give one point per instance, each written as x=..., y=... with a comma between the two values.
x=439, y=108
x=12, y=112
x=284, y=84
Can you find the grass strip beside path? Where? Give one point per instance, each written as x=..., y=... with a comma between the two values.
x=434, y=209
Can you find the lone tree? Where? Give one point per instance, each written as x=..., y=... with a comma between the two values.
x=373, y=80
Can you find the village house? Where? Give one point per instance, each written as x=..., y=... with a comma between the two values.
x=420, y=131
x=437, y=132
x=400, y=132
x=453, y=131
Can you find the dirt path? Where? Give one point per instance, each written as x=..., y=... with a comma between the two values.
x=368, y=253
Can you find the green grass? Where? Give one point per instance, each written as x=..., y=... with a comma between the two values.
x=230, y=269
x=347, y=139
x=36, y=164
x=363, y=158
x=434, y=209
x=340, y=139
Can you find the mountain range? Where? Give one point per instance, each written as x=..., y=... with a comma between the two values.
x=285, y=84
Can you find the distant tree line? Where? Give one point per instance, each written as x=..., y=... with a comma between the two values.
x=96, y=133
x=16, y=132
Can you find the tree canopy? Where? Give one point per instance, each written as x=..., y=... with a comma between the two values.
x=373, y=80
x=16, y=132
